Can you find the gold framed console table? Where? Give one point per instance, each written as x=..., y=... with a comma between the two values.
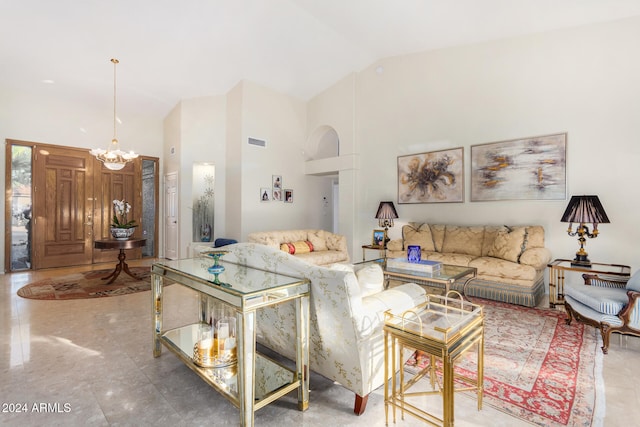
x=252, y=381
x=559, y=267
x=444, y=328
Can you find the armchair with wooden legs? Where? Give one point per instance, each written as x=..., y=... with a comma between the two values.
x=609, y=305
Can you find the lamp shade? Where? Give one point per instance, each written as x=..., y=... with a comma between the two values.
x=585, y=209
x=386, y=210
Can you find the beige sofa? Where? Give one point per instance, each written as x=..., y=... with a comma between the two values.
x=510, y=259
x=347, y=305
x=317, y=247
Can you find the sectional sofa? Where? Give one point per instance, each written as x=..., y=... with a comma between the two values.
x=317, y=247
x=510, y=260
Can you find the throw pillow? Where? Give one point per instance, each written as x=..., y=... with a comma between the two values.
x=317, y=238
x=336, y=242
x=463, y=240
x=370, y=279
x=418, y=234
x=299, y=247
x=509, y=244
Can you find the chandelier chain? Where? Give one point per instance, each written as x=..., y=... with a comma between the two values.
x=115, y=63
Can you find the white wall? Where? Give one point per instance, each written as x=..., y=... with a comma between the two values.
x=280, y=120
x=582, y=81
x=336, y=108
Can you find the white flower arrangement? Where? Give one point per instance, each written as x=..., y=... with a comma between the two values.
x=120, y=210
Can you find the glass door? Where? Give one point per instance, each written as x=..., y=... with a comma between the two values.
x=19, y=204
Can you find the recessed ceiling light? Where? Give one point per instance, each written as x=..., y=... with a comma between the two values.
x=48, y=81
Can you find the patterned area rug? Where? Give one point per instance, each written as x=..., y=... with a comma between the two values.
x=88, y=284
x=536, y=367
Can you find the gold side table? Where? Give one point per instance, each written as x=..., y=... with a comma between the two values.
x=382, y=251
x=444, y=328
x=558, y=267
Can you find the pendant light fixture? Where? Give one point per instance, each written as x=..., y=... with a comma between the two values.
x=113, y=158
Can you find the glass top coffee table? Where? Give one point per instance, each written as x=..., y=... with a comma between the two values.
x=445, y=277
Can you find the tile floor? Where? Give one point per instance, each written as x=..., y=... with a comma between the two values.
x=89, y=363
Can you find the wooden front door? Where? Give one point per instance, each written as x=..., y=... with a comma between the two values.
x=63, y=207
x=116, y=185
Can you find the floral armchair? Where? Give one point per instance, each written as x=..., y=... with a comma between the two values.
x=347, y=308
x=609, y=305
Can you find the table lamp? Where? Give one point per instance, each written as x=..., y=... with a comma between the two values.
x=584, y=210
x=385, y=216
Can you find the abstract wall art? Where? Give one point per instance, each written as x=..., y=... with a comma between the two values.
x=434, y=177
x=521, y=169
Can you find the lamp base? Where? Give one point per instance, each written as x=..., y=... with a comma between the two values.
x=581, y=260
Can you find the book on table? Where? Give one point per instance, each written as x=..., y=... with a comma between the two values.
x=424, y=265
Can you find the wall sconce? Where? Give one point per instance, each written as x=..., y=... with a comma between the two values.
x=385, y=216
x=584, y=210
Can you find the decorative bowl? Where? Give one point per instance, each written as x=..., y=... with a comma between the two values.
x=122, y=233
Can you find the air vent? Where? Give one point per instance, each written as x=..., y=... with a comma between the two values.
x=258, y=142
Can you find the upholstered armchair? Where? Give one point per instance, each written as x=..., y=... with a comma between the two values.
x=347, y=306
x=609, y=305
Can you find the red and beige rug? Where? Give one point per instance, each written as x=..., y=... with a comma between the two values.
x=537, y=368
x=88, y=284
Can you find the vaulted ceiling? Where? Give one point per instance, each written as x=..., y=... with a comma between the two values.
x=171, y=50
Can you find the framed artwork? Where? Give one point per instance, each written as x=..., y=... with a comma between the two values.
x=264, y=194
x=520, y=169
x=276, y=196
x=288, y=195
x=434, y=177
x=379, y=237
x=277, y=182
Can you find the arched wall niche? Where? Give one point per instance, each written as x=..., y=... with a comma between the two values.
x=323, y=143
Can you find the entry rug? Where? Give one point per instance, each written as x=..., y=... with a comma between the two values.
x=88, y=284
x=536, y=367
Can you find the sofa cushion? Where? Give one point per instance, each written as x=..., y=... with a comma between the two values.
x=603, y=300
x=490, y=233
x=450, y=258
x=634, y=282
x=437, y=231
x=323, y=257
x=509, y=243
x=370, y=279
x=341, y=267
x=418, y=234
x=463, y=240
x=501, y=269
x=318, y=239
x=535, y=236
x=299, y=247
x=336, y=242
x=536, y=257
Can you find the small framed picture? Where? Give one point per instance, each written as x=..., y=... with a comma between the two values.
x=288, y=195
x=379, y=238
x=264, y=194
x=277, y=182
x=277, y=195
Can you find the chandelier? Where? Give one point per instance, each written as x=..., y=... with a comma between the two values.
x=113, y=158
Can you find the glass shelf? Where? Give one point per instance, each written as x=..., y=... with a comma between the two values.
x=271, y=377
